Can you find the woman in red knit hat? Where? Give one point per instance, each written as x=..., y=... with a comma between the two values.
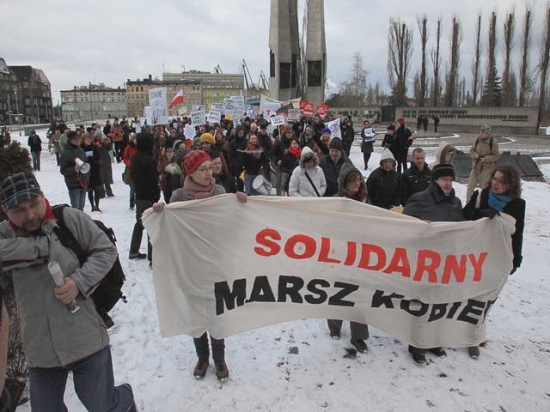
x=200, y=184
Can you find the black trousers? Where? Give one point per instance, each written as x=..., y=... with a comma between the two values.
x=359, y=331
x=137, y=234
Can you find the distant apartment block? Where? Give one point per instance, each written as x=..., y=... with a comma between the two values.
x=215, y=86
x=24, y=91
x=92, y=102
x=137, y=94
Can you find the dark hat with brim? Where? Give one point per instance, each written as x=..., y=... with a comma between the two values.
x=18, y=188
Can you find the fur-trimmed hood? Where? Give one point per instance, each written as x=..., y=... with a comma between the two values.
x=307, y=154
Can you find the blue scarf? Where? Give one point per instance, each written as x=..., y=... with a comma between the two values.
x=498, y=202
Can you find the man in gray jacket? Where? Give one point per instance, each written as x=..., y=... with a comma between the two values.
x=58, y=340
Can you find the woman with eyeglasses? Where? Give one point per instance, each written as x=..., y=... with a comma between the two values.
x=502, y=195
x=199, y=183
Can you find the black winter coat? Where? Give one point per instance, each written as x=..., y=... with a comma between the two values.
x=432, y=204
x=73, y=180
x=514, y=208
x=414, y=181
x=236, y=158
x=383, y=188
x=332, y=171
x=402, y=135
x=390, y=142
x=227, y=180
x=144, y=170
x=34, y=142
x=94, y=160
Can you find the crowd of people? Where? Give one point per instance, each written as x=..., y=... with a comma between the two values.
x=302, y=159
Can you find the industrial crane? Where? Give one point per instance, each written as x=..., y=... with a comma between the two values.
x=247, y=77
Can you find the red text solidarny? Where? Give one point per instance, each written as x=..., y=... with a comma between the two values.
x=431, y=266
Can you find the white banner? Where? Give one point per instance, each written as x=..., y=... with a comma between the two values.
x=159, y=106
x=269, y=107
x=430, y=284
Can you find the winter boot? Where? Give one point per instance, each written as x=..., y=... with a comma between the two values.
x=200, y=369
x=221, y=371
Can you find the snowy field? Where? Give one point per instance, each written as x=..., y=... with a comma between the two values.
x=512, y=374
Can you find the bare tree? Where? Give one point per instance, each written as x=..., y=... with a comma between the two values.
x=492, y=88
x=354, y=90
x=436, y=64
x=452, y=74
x=400, y=46
x=509, y=27
x=543, y=64
x=422, y=28
x=477, y=59
x=524, y=78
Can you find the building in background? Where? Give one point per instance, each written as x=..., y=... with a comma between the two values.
x=215, y=87
x=137, y=94
x=24, y=90
x=93, y=102
x=8, y=93
x=34, y=94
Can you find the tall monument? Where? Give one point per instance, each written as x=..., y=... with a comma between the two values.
x=284, y=50
x=285, y=66
x=316, y=53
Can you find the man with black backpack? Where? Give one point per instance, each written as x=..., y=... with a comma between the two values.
x=62, y=330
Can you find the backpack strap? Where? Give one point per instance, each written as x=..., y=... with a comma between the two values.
x=65, y=236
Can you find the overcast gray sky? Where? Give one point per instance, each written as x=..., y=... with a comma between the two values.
x=75, y=42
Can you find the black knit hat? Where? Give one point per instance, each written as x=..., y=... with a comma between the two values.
x=443, y=169
x=17, y=188
x=336, y=143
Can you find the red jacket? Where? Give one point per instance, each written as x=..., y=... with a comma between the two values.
x=127, y=156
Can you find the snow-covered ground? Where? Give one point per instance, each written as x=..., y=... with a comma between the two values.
x=512, y=374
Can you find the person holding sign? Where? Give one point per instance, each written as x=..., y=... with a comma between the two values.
x=200, y=184
x=368, y=136
x=437, y=203
x=351, y=185
x=503, y=194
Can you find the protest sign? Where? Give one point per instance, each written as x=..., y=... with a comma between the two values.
x=198, y=118
x=429, y=284
x=334, y=127
x=294, y=114
x=159, y=106
x=278, y=121
x=306, y=108
x=214, y=116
